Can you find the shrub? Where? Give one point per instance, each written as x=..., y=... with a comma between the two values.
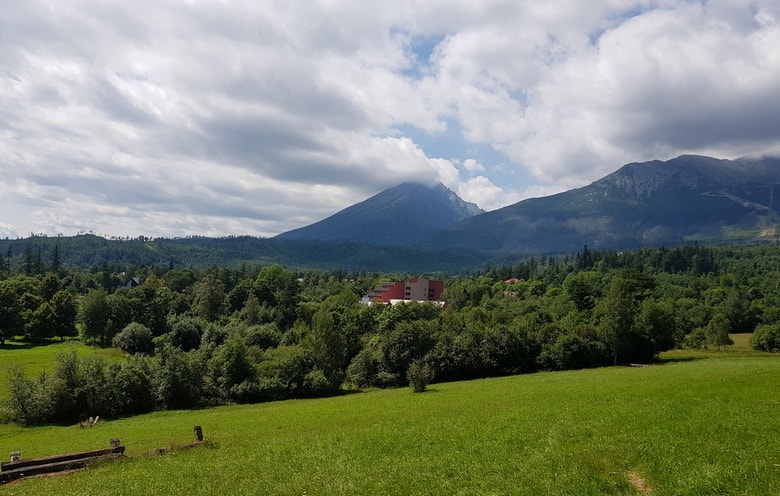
x=573, y=351
x=286, y=367
x=419, y=375
x=766, y=338
x=230, y=365
x=179, y=379
x=315, y=384
x=363, y=371
x=263, y=336
x=186, y=332
x=24, y=401
x=134, y=381
x=134, y=338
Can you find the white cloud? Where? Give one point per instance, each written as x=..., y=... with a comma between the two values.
x=472, y=165
x=8, y=231
x=487, y=195
x=170, y=118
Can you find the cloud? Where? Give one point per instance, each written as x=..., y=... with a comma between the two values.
x=8, y=231
x=666, y=82
x=472, y=165
x=487, y=195
x=171, y=118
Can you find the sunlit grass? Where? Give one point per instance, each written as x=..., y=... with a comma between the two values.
x=37, y=358
x=687, y=427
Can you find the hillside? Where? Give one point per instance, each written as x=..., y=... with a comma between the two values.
x=690, y=198
x=689, y=427
x=399, y=216
x=198, y=252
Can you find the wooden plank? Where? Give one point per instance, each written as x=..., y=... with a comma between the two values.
x=4, y=466
x=48, y=468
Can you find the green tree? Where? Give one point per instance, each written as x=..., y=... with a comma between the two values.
x=329, y=347
x=363, y=370
x=179, y=379
x=209, y=298
x=11, y=322
x=39, y=324
x=285, y=369
x=49, y=285
x=741, y=312
x=64, y=314
x=134, y=338
x=135, y=384
x=186, y=332
x=409, y=341
x=618, y=310
x=94, y=314
x=717, y=331
x=56, y=262
x=583, y=288
x=281, y=287
x=230, y=366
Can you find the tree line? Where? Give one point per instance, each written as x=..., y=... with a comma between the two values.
x=217, y=336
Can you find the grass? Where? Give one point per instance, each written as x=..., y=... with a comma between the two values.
x=37, y=358
x=703, y=424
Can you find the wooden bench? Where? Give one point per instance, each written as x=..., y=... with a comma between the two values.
x=10, y=471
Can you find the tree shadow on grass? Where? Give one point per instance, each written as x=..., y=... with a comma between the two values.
x=678, y=359
x=682, y=356
x=20, y=344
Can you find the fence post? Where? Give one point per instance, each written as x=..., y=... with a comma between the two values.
x=198, y=433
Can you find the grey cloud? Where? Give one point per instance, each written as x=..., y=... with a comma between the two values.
x=262, y=116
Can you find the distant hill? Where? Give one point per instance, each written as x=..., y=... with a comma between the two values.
x=200, y=252
x=686, y=199
x=399, y=216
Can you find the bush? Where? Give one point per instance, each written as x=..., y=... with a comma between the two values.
x=363, y=371
x=230, y=366
x=179, y=379
x=134, y=338
x=135, y=385
x=25, y=402
x=263, y=336
x=572, y=351
x=419, y=375
x=315, y=384
x=286, y=367
x=766, y=337
x=186, y=332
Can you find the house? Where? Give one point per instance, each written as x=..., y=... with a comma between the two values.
x=411, y=290
x=133, y=282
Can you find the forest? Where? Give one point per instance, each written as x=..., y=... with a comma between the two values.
x=254, y=333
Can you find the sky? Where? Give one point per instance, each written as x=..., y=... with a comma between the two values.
x=171, y=118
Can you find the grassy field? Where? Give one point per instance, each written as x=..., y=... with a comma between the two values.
x=34, y=358
x=698, y=424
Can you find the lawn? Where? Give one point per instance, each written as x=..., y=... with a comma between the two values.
x=690, y=426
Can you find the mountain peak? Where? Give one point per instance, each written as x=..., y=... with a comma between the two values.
x=642, y=180
x=400, y=215
x=688, y=198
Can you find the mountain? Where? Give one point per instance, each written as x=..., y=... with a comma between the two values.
x=686, y=199
x=399, y=216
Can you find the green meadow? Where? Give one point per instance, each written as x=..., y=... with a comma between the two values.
x=695, y=424
x=36, y=358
